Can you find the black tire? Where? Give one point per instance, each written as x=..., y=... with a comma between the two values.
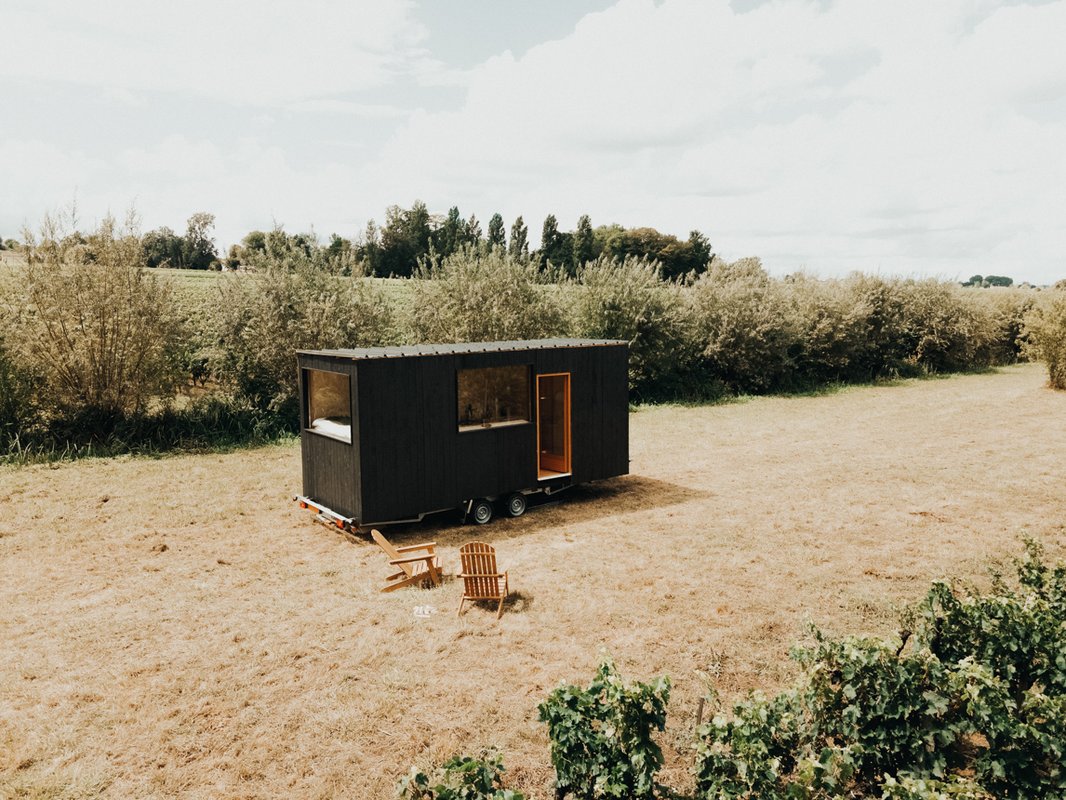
x=480, y=512
x=515, y=504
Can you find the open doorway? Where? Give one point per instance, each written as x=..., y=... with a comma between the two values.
x=553, y=425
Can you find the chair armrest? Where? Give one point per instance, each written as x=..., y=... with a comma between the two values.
x=426, y=546
x=480, y=574
x=409, y=559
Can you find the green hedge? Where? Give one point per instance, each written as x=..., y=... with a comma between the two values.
x=734, y=329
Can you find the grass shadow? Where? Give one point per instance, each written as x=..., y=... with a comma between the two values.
x=579, y=504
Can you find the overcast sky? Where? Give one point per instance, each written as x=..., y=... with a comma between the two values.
x=907, y=137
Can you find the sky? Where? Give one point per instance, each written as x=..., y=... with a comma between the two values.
x=906, y=138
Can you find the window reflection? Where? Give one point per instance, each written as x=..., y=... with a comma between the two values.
x=493, y=396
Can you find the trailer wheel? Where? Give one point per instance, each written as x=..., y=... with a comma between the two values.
x=481, y=511
x=516, y=504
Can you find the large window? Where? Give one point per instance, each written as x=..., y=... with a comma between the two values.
x=329, y=404
x=493, y=396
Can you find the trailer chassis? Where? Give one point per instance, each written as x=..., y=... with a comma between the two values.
x=328, y=516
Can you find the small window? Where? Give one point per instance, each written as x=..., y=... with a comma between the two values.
x=329, y=404
x=493, y=396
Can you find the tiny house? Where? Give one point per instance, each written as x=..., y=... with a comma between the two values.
x=390, y=434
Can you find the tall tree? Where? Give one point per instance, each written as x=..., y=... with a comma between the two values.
x=519, y=238
x=584, y=244
x=448, y=237
x=675, y=256
x=163, y=248
x=199, y=248
x=497, y=235
x=563, y=253
x=255, y=241
x=337, y=246
x=306, y=243
x=472, y=234
x=405, y=239
x=549, y=240
x=368, y=249
x=699, y=251
x=556, y=247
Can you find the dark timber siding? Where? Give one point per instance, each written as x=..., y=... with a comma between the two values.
x=330, y=467
x=392, y=436
x=408, y=455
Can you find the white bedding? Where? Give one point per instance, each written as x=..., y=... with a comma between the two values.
x=336, y=427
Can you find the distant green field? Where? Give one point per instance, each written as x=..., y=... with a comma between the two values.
x=10, y=259
x=197, y=290
x=183, y=278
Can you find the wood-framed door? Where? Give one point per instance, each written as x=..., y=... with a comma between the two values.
x=553, y=425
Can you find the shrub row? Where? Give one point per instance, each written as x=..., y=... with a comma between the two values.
x=1046, y=335
x=91, y=341
x=734, y=329
x=969, y=703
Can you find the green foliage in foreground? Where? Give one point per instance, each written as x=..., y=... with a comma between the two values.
x=601, y=737
x=974, y=708
x=969, y=704
x=459, y=778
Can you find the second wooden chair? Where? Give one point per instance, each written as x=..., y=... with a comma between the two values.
x=481, y=581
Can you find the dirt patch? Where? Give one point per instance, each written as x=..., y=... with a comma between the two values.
x=197, y=635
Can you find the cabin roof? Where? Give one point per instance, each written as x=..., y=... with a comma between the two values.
x=407, y=351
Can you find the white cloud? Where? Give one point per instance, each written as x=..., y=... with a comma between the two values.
x=906, y=137
x=41, y=177
x=864, y=136
x=249, y=185
x=257, y=53
x=121, y=96
x=347, y=107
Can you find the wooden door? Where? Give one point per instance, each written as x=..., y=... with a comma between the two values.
x=553, y=424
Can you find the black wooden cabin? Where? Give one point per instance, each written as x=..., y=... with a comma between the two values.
x=394, y=433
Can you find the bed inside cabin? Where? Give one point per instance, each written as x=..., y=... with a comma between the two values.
x=329, y=404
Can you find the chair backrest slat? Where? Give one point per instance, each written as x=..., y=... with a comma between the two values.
x=390, y=551
x=479, y=562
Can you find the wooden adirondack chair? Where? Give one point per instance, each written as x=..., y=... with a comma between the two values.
x=414, y=568
x=481, y=581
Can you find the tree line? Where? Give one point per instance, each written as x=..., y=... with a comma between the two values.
x=412, y=235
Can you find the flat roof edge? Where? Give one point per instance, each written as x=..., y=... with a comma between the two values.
x=461, y=348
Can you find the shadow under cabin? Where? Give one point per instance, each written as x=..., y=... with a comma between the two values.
x=391, y=434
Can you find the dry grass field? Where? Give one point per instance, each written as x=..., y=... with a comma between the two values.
x=177, y=628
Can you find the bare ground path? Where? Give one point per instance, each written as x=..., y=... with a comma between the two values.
x=175, y=628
